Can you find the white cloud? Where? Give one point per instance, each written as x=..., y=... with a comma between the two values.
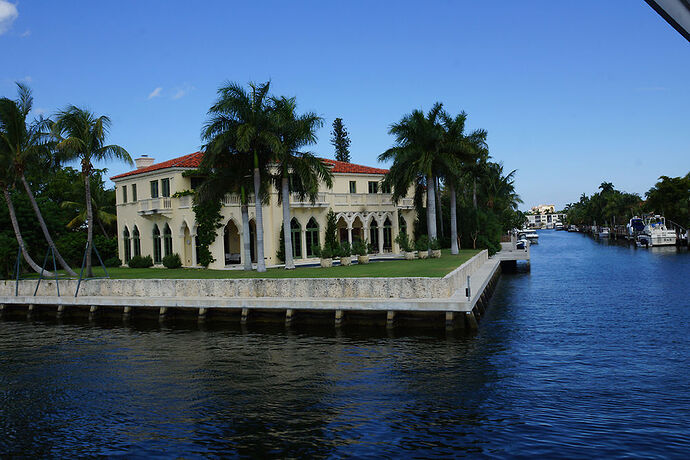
x=8, y=13
x=27, y=79
x=155, y=93
x=26, y=33
x=181, y=92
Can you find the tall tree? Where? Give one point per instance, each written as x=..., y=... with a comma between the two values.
x=416, y=157
x=81, y=136
x=7, y=178
x=459, y=153
x=298, y=171
x=26, y=143
x=340, y=140
x=243, y=119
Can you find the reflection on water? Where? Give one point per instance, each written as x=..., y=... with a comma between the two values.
x=586, y=355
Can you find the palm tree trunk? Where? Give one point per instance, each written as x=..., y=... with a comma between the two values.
x=246, y=235
x=260, y=262
x=42, y=223
x=453, y=221
x=430, y=208
x=439, y=209
x=89, y=226
x=18, y=234
x=285, y=191
x=474, y=193
x=100, y=224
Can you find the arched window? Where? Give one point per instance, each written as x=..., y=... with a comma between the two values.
x=136, y=241
x=296, y=237
x=156, y=244
x=402, y=224
x=128, y=245
x=312, y=237
x=387, y=235
x=167, y=241
x=374, y=235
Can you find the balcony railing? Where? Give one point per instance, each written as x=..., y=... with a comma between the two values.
x=305, y=202
x=162, y=205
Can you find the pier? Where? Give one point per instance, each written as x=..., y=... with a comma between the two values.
x=458, y=300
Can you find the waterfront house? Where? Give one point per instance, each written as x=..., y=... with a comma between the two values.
x=155, y=215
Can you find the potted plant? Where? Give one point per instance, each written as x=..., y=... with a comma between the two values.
x=405, y=246
x=326, y=256
x=345, y=253
x=435, y=246
x=422, y=245
x=360, y=249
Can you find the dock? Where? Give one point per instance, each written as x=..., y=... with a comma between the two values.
x=458, y=300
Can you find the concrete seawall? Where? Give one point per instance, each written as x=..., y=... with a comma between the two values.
x=439, y=300
x=335, y=288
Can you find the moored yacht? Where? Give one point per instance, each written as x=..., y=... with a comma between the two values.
x=655, y=233
x=604, y=232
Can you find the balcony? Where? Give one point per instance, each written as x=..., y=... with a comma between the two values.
x=155, y=206
x=297, y=202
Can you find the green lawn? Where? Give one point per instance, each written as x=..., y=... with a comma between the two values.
x=433, y=268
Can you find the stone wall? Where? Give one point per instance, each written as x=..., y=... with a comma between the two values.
x=379, y=288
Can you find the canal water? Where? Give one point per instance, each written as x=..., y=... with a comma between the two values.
x=587, y=355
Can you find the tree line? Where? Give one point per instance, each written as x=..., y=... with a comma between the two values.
x=670, y=197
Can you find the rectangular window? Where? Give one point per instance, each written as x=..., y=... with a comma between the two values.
x=165, y=187
x=134, y=192
x=353, y=186
x=373, y=187
x=154, y=189
x=385, y=188
x=124, y=194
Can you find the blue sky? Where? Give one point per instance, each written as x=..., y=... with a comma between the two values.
x=571, y=93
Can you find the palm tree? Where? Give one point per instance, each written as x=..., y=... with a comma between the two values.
x=297, y=171
x=226, y=171
x=459, y=151
x=416, y=157
x=26, y=143
x=81, y=136
x=243, y=118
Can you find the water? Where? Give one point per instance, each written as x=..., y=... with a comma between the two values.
x=585, y=356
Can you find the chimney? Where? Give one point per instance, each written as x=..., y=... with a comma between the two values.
x=143, y=161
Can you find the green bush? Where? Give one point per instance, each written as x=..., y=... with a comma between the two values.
x=359, y=248
x=141, y=262
x=434, y=244
x=112, y=262
x=404, y=242
x=371, y=249
x=172, y=261
x=345, y=249
x=326, y=253
x=422, y=243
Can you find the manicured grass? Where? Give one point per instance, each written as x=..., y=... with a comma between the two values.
x=432, y=268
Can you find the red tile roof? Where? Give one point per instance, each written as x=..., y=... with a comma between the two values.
x=193, y=160
x=188, y=161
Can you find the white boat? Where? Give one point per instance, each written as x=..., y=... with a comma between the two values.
x=604, y=232
x=655, y=233
x=572, y=228
x=532, y=237
x=635, y=227
x=559, y=226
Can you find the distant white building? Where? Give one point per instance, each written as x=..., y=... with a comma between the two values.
x=546, y=220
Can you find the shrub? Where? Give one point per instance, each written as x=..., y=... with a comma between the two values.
x=172, y=261
x=359, y=248
x=140, y=262
x=112, y=262
x=326, y=253
x=422, y=243
x=371, y=249
x=345, y=249
x=404, y=242
x=434, y=244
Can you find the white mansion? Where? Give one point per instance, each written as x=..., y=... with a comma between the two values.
x=152, y=221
